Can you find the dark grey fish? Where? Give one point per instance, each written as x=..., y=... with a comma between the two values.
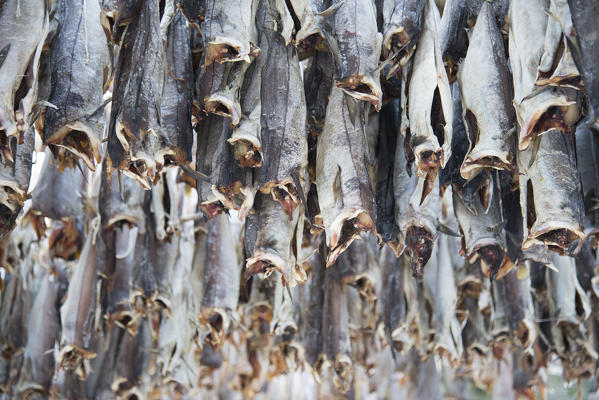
x=584, y=13
x=587, y=158
x=487, y=110
x=80, y=70
x=550, y=194
x=393, y=299
x=78, y=311
x=14, y=181
x=22, y=32
x=345, y=191
x=453, y=34
x=357, y=51
x=176, y=105
x=311, y=328
x=283, y=120
x=230, y=187
x=403, y=21
x=520, y=308
x=135, y=141
x=116, y=15
x=224, y=99
x=120, y=200
x=335, y=328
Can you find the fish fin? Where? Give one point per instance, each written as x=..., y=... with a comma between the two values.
x=447, y=230
x=331, y=10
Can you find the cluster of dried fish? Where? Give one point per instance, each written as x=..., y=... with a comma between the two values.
x=346, y=198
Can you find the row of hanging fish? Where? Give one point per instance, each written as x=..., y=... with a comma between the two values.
x=317, y=196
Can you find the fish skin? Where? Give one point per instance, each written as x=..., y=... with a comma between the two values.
x=385, y=200
x=488, y=244
x=429, y=102
x=80, y=68
x=583, y=15
x=312, y=17
x=118, y=206
x=117, y=14
x=224, y=100
x=14, y=182
x=336, y=335
x=403, y=20
x=394, y=307
x=176, y=105
x=134, y=130
x=222, y=272
x=23, y=30
x=358, y=48
x=486, y=99
x=311, y=328
x=230, y=187
x=226, y=31
x=283, y=123
x=59, y=195
x=587, y=157
x=459, y=145
x=77, y=312
x=272, y=249
x=538, y=110
x=42, y=328
x=558, y=208
x=345, y=192
x=521, y=313
x=452, y=33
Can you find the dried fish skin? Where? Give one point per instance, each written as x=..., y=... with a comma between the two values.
x=273, y=244
x=486, y=95
x=550, y=192
x=482, y=230
x=429, y=103
x=134, y=132
x=77, y=313
x=80, y=67
x=176, y=104
x=23, y=30
x=357, y=49
x=394, y=307
x=336, y=336
x=521, y=313
x=226, y=31
x=402, y=27
x=311, y=329
x=452, y=32
x=538, y=110
x=583, y=15
x=312, y=19
x=345, y=193
x=283, y=131
x=14, y=182
x=58, y=194
x=225, y=99
x=120, y=201
x=587, y=155
x=230, y=187
x=222, y=271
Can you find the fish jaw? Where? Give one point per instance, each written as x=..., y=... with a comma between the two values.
x=362, y=87
x=80, y=139
x=344, y=229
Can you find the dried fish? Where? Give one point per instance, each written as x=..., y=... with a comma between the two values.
x=452, y=32
x=550, y=194
x=583, y=14
x=80, y=65
x=77, y=312
x=429, y=105
x=311, y=329
x=345, y=192
x=135, y=141
x=23, y=31
x=538, y=110
x=120, y=201
x=402, y=27
x=284, y=144
x=357, y=48
x=226, y=31
x=394, y=307
x=489, y=116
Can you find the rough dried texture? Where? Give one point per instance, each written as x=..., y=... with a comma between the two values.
x=135, y=142
x=283, y=123
x=538, y=110
x=583, y=15
x=402, y=27
x=429, y=106
x=357, y=51
x=120, y=200
x=345, y=192
x=23, y=30
x=550, y=193
x=80, y=69
x=486, y=99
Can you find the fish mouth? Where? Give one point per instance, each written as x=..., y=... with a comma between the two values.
x=125, y=318
x=225, y=50
x=79, y=139
x=212, y=208
x=363, y=88
x=419, y=242
x=285, y=193
x=12, y=196
x=266, y=262
x=549, y=113
x=235, y=197
x=142, y=169
x=493, y=255
x=221, y=105
x=345, y=229
x=5, y=151
x=558, y=237
x=342, y=368
x=399, y=41
x=473, y=164
x=71, y=358
x=218, y=321
x=247, y=150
